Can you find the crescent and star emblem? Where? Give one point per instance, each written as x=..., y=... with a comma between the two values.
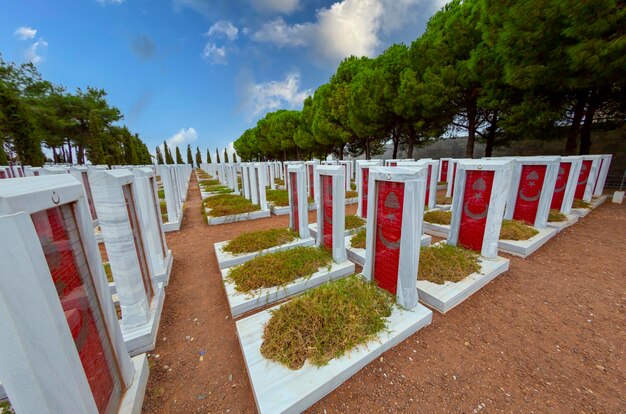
x=480, y=186
x=392, y=203
x=583, y=168
x=532, y=178
x=561, y=179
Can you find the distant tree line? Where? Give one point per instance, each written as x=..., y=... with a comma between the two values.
x=495, y=71
x=76, y=127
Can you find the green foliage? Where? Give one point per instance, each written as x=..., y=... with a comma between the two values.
x=442, y=263
x=208, y=156
x=516, y=230
x=326, y=322
x=438, y=217
x=217, y=156
x=280, y=198
x=198, y=157
x=189, y=155
x=358, y=239
x=179, y=157
x=168, y=155
x=353, y=222
x=225, y=156
x=259, y=240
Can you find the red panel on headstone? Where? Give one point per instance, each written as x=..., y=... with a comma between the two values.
x=393, y=164
x=365, y=173
x=453, y=177
x=430, y=170
x=595, y=185
x=2, y=174
x=388, y=233
x=76, y=296
x=585, y=170
x=478, y=185
x=327, y=210
x=561, y=184
x=529, y=193
x=444, y=171
x=293, y=187
x=311, y=181
x=137, y=239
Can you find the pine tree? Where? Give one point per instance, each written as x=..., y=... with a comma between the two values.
x=217, y=155
x=225, y=156
x=208, y=156
x=168, y=155
x=234, y=157
x=179, y=157
x=198, y=157
x=159, y=155
x=189, y=155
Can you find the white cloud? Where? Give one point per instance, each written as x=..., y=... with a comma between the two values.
x=214, y=54
x=347, y=27
x=33, y=53
x=180, y=139
x=279, y=6
x=25, y=32
x=272, y=95
x=223, y=28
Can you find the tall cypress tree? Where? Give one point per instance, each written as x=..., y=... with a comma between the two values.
x=168, y=155
x=234, y=157
x=217, y=155
x=198, y=157
x=225, y=156
x=4, y=160
x=208, y=156
x=159, y=156
x=189, y=155
x=179, y=156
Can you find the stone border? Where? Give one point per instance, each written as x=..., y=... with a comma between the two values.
x=253, y=215
x=143, y=338
x=524, y=248
x=562, y=225
x=226, y=260
x=437, y=230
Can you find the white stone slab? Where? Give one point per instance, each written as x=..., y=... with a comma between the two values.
x=347, y=232
x=441, y=187
x=279, y=210
x=226, y=260
x=243, y=302
x=143, y=338
x=446, y=296
x=164, y=277
x=581, y=212
x=572, y=218
x=444, y=207
x=524, y=248
x=353, y=200
x=598, y=201
x=357, y=255
x=278, y=389
x=439, y=230
x=253, y=215
x=132, y=399
x=173, y=225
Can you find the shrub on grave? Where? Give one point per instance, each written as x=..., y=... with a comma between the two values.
x=259, y=240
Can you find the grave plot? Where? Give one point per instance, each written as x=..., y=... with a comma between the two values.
x=250, y=245
x=210, y=187
x=353, y=224
x=477, y=212
x=55, y=293
x=437, y=222
x=368, y=319
x=561, y=215
x=160, y=256
x=140, y=295
x=525, y=228
x=276, y=275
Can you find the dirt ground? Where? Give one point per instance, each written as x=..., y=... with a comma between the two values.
x=547, y=336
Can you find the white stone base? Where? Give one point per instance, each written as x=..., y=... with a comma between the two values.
x=561, y=225
x=143, y=338
x=243, y=302
x=581, y=212
x=444, y=207
x=524, y=248
x=598, y=201
x=226, y=260
x=312, y=206
x=441, y=186
x=357, y=255
x=278, y=389
x=173, y=225
x=206, y=195
x=279, y=210
x=99, y=237
x=313, y=230
x=447, y=296
x=353, y=200
x=253, y=215
x=439, y=230
x=132, y=399
x=164, y=276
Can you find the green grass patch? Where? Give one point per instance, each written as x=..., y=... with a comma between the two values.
x=221, y=211
x=441, y=183
x=107, y=271
x=209, y=182
x=578, y=203
x=228, y=204
x=438, y=217
x=353, y=186
x=278, y=181
x=555, y=216
x=443, y=200
x=280, y=198
x=279, y=268
x=259, y=240
x=443, y=262
x=354, y=222
x=358, y=239
x=219, y=189
x=326, y=322
x=163, y=206
x=516, y=230
x=352, y=194
x=161, y=193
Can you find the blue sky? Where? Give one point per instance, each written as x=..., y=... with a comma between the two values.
x=201, y=72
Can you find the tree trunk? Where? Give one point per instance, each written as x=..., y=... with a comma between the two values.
x=471, y=129
x=367, y=148
x=55, y=157
x=411, y=140
x=585, y=131
x=69, y=157
x=80, y=155
x=572, y=136
x=491, y=135
x=396, y=141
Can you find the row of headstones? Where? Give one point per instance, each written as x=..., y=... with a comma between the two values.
x=393, y=198
x=56, y=292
